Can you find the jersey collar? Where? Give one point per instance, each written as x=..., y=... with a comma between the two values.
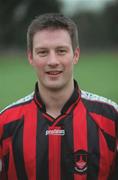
x=74, y=98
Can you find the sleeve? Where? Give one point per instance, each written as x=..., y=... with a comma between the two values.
x=2, y=173
x=116, y=168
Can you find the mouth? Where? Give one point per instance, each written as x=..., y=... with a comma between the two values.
x=53, y=73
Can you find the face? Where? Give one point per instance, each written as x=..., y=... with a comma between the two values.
x=53, y=58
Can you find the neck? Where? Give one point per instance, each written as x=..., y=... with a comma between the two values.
x=54, y=100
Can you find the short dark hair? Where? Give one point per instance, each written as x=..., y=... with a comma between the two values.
x=54, y=21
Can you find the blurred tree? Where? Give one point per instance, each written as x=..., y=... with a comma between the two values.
x=86, y=22
x=111, y=17
x=98, y=29
x=15, y=16
x=91, y=29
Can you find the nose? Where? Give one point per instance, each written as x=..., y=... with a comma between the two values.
x=52, y=59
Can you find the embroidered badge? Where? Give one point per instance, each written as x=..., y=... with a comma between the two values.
x=80, y=158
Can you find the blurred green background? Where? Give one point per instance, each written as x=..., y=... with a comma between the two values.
x=97, y=21
x=95, y=72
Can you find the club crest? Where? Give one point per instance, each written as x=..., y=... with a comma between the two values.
x=80, y=159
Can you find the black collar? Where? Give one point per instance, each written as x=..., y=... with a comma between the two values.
x=74, y=98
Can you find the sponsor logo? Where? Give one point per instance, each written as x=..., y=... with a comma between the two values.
x=81, y=158
x=55, y=132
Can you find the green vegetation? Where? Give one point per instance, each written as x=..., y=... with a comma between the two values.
x=95, y=72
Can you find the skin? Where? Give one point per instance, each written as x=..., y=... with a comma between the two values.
x=53, y=60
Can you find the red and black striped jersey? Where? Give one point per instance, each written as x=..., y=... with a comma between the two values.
x=80, y=144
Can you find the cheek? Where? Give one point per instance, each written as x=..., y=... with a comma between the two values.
x=69, y=63
x=69, y=67
x=38, y=64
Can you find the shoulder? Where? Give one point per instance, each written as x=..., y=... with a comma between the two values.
x=100, y=104
x=18, y=103
x=15, y=112
x=98, y=99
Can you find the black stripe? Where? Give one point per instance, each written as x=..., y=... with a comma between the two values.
x=101, y=108
x=6, y=165
x=37, y=98
x=111, y=141
x=115, y=174
x=93, y=149
x=10, y=128
x=67, y=163
x=18, y=151
x=41, y=148
x=75, y=95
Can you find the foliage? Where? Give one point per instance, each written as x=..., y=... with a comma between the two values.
x=98, y=29
x=15, y=16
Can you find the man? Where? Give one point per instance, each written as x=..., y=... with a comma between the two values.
x=58, y=132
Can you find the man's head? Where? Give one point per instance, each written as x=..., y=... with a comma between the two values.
x=53, y=51
x=52, y=21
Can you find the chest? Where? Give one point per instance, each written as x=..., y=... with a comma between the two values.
x=70, y=145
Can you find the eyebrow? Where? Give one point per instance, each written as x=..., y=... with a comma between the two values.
x=62, y=46
x=37, y=48
x=41, y=48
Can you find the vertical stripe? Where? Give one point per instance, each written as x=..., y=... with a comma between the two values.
x=29, y=142
x=93, y=149
x=12, y=169
x=106, y=158
x=6, y=164
x=18, y=151
x=80, y=135
x=67, y=149
x=41, y=148
x=54, y=155
x=104, y=123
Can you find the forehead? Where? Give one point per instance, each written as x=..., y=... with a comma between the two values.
x=50, y=37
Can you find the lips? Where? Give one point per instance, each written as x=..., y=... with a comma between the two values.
x=54, y=72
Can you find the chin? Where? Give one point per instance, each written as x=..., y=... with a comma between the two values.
x=55, y=86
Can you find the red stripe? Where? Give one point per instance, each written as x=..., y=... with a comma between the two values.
x=80, y=133
x=11, y=171
x=12, y=114
x=104, y=123
x=29, y=140
x=6, y=143
x=54, y=155
x=7, y=146
x=106, y=158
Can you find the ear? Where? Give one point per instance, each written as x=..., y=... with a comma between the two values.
x=30, y=57
x=76, y=55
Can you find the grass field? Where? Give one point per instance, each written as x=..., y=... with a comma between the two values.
x=95, y=72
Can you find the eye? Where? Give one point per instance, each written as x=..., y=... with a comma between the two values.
x=61, y=51
x=42, y=53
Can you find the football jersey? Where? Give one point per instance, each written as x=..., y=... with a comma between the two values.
x=80, y=144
